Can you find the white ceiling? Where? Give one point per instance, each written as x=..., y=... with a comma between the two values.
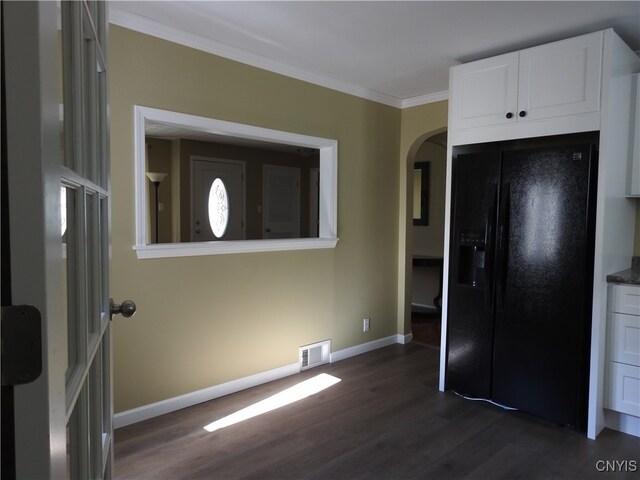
x=394, y=52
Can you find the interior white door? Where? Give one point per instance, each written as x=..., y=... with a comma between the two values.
x=218, y=206
x=281, y=201
x=58, y=177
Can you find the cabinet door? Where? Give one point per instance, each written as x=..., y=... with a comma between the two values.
x=625, y=338
x=484, y=92
x=560, y=78
x=624, y=393
x=625, y=299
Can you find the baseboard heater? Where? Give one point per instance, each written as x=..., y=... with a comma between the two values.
x=314, y=354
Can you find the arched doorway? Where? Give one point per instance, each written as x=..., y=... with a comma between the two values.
x=427, y=165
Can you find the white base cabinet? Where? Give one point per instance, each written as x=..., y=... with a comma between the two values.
x=622, y=386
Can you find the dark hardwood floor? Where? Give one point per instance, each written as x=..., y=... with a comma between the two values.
x=384, y=420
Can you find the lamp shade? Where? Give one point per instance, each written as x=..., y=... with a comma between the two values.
x=156, y=176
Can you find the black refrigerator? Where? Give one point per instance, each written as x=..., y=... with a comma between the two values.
x=521, y=274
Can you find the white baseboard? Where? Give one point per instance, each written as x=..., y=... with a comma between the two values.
x=169, y=405
x=404, y=339
x=622, y=422
x=156, y=409
x=363, y=348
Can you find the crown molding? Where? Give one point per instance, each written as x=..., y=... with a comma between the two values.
x=424, y=99
x=153, y=28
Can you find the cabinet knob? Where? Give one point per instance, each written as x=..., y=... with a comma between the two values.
x=509, y=115
x=522, y=113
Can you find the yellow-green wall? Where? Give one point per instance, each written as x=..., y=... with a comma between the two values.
x=206, y=320
x=417, y=124
x=429, y=239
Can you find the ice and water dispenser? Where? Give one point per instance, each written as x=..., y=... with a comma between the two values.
x=471, y=258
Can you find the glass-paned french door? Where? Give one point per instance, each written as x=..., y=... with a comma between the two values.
x=85, y=248
x=55, y=148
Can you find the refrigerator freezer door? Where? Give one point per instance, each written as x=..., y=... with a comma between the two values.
x=470, y=324
x=543, y=282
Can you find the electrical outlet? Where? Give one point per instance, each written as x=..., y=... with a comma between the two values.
x=365, y=324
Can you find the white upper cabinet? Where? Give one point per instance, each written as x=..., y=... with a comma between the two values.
x=549, y=82
x=486, y=92
x=561, y=78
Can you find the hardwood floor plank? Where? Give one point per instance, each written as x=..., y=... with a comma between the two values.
x=385, y=419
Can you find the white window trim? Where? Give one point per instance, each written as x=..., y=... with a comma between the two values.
x=328, y=188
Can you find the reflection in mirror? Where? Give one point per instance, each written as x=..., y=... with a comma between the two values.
x=229, y=187
x=155, y=178
x=421, y=172
x=271, y=189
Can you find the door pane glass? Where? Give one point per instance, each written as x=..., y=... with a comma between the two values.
x=91, y=5
x=107, y=427
x=99, y=16
x=65, y=275
x=70, y=96
x=89, y=99
x=94, y=266
x=96, y=410
x=70, y=273
x=218, y=208
x=100, y=21
x=103, y=128
x=77, y=445
x=60, y=83
x=104, y=259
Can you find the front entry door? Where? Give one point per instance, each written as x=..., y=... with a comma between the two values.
x=217, y=179
x=58, y=182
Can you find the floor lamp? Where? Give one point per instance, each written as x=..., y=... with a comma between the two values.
x=156, y=178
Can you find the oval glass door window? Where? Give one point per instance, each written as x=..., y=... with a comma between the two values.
x=218, y=208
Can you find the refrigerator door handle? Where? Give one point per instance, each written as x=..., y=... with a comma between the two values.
x=503, y=243
x=490, y=240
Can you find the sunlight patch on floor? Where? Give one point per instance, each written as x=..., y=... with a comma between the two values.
x=290, y=395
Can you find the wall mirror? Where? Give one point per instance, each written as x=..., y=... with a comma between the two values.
x=421, y=171
x=207, y=186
